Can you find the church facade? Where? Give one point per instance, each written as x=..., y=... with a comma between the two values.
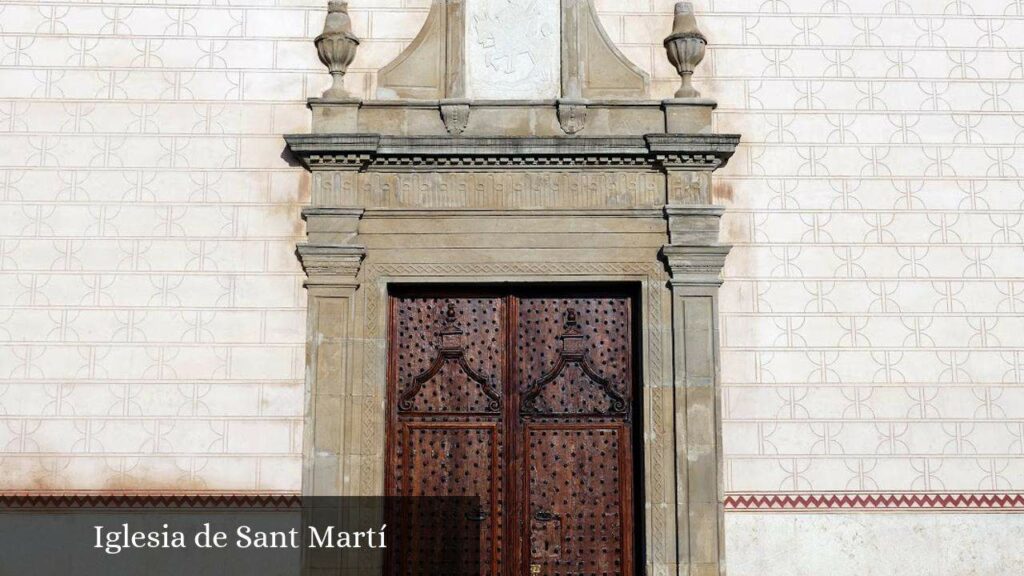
x=671, y=288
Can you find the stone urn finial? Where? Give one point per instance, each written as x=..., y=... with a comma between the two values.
x=337, y=46
x=685, y=47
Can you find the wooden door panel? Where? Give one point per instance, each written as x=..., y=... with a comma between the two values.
x=578, y=505
x=573, y=356
x=449, y=460
x=449, y=354
x=446, y=459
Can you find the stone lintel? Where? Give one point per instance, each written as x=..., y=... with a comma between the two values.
x=478, y=213
x=333, y=212
x=696, y=265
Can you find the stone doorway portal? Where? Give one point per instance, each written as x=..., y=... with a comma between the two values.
x=525, y=398
x=438, y=183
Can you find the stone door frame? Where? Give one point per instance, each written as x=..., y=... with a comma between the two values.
x=402, y=201
x=346, y=428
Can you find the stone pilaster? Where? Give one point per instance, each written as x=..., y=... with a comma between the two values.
x=695, y=271
x=330, y=352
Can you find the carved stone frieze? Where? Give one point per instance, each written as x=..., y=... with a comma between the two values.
x=506, y=189
x=688, y=185
x=509, y=161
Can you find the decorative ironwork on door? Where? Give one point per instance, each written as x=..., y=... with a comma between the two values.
x=523, y=399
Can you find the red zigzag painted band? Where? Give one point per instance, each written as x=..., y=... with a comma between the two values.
x=876, y=501
x=736, y=502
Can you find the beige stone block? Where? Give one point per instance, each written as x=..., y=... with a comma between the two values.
x=327, y=423
x=504, y=121
x=425, y=121
x=604, y=119
x=336, y=222
x=705, y=569
x=700, y=415
x=352, y=423
x=334, y=117
x=688, y=116
x=631, y=120
x=703, y=533
x=385, y=120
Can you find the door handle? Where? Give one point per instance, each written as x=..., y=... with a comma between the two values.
x=479, y=516
x=544, y=516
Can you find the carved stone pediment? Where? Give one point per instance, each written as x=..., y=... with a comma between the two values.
x=515, y=49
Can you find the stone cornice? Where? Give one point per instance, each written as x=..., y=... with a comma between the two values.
x=668, y=151
x=696, y=265
x=330, y=264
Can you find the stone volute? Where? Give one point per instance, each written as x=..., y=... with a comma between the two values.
x=337, y=47
x=685, y=46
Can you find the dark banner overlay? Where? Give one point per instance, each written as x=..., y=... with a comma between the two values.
x=156, y=536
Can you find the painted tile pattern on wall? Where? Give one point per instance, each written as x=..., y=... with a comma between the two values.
x=151, y=308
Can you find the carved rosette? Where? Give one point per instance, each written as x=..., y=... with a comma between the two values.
x=685, y=47
x=572, y=115
x=337, y=47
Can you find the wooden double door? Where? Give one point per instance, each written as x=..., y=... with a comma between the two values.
x=523, y=398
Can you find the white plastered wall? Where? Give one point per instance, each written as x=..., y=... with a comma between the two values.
x=152, y=314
